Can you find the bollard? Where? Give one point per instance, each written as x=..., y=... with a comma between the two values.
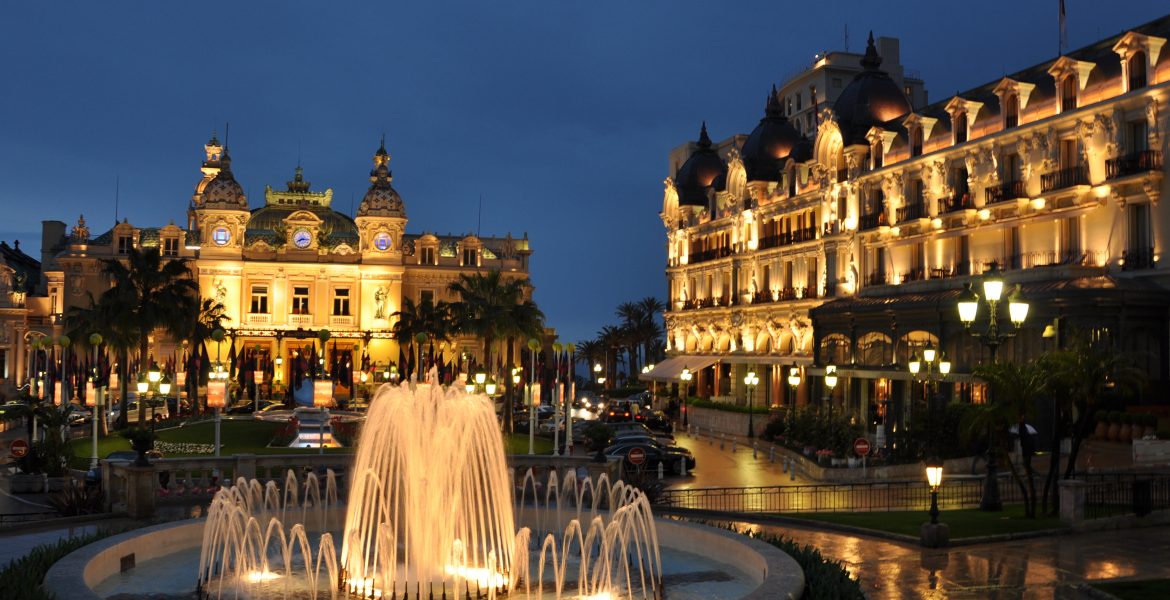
x=721, y=441
x=772, y=454
x=792, y=472
x=683, y=462
x=662, y=470
x=784, y=465
x=733, y=443
x=754, y=451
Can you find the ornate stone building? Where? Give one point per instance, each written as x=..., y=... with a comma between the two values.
x=851, y=248
x=283, y=270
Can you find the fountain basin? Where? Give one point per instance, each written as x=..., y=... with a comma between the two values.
x=769, y=572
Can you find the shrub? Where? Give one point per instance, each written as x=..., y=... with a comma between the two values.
x=726, y=406
x=21, y=579
x=773, y=430
x=597, y=434
x=824, y=578
x=77, y=499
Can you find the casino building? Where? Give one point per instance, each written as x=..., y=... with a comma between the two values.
x=283, y=270
x=851, y=243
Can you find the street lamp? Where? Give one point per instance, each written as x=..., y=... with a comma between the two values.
x=929, y=368
x=751, y=381
x=533, y=393
x=686, y=381
x=794, y=381
x=934, y=534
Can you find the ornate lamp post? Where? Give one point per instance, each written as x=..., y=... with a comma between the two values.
x=751, y=381
x=992, y=337
x=685, y=377
x=794, y=381
x=533, y=394
x=217, y=385
x=92, y=400
x=937, y=368
x=934, y=534
x=830, y=385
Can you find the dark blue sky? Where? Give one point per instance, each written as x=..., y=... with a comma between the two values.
x=559, y=114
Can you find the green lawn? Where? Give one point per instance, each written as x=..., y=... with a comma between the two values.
x=1151, y=589
x=963, y=523
x=243, y=436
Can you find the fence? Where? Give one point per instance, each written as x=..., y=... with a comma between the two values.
x=1114, y=494
x=866, y=497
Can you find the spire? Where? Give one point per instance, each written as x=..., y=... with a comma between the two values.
x=704, y=140
x=773, y=108
x=298, y=184
x=381, y=157
x=872, y=60
x=381, y=175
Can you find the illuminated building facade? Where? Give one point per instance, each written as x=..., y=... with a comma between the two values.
x=851, y=247
x=283, y=270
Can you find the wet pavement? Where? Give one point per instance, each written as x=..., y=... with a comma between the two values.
x=725, y=461
x=1040, y=568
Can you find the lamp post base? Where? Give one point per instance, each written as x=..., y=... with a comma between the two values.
x=935, y=535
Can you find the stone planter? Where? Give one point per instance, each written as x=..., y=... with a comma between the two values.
x=56, y=484
x=1137, y=432
x=1102, y=431
x=1114, y=432
x=25, y=483
x=1123, y=435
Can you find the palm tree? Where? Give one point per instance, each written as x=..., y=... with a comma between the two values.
x=430, y=318
x=407, y=325
x=198, y=331
x=590, y=352
x=651, y=332
x=491, y=307
x=1014, y=389
x=148, y=293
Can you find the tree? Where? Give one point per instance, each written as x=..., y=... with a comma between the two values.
x=1082, y=376
x=1014, y=389
x=434, y=320
x=490, y=307
x=148, y=293
x=198, y=331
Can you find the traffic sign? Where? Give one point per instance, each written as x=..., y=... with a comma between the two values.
x=19, y=448
x=861, y=446
x=636, y=456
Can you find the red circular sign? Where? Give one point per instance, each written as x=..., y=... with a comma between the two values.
x=19, y=448
x=636, y=456
x=861, y=446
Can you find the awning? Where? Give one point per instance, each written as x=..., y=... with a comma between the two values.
x=671, y=368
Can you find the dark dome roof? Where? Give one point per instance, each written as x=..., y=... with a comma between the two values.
x=772, y=141
x=700, y=172
x=267, y=221
x=381, y=200
x=224, y=190
x=870, y=99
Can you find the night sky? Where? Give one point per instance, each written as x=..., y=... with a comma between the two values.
x=559, y=115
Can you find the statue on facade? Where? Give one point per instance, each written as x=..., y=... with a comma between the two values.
x=380, y=303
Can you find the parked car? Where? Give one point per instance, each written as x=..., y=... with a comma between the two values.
x=671, y=457
x=249, y=407
x=656, y=420
x=641, y=429
x=79, y=415
x=618, y=411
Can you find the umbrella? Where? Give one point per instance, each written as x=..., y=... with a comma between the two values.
x=1015, y=429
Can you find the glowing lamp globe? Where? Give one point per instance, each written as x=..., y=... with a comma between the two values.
x=929, y=354
x=1017, y=307
x=164, y=387
x=90, y=394
x=915, y=366
x=470, y=388
x=143, y=386
x=934, y=475
x=57, y=393
x=154, y=375
x=968, y=306
x=258, y=377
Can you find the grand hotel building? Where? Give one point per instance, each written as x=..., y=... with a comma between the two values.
x=849, y=242
x=283, y=270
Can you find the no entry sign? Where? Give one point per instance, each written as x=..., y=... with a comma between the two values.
x=861, y=446
x=18, y=448
x=636, y=456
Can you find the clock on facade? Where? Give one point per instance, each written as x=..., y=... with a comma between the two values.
x=302, y=238
x=382, y=241
x=221, y=236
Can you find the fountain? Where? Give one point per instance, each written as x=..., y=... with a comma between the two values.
x=431, y=512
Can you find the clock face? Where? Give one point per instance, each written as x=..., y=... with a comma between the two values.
x=302, y=238
x=221, y=236
x=382, y=241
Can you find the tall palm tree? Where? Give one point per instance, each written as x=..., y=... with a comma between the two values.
x=407, y=325
x=198, y=331
x=652, y=333
x=149, y=293
x=590, y=352
x=491, y=307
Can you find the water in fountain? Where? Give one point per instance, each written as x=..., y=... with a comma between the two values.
x=430, y=509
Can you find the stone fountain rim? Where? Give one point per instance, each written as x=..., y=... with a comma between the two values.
x=67, y=578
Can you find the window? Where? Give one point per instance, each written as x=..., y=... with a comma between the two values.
x=259, y=300
x=1137, y=71
x=798, y=99
x=789, y=106
x=341, y=302
x=1068, y=93
x=875, y=156
x=427, y=256
x=1069, y=157
x=170, y=247
x=470, y=257
x=916, y=142
x=426, y=296
x=1010, y=167
x=125, y=243
x=300, y=300
x=1070, y=240
x=961, y=128
x=812, y=97
x=1011, y=111
x=1139, y=137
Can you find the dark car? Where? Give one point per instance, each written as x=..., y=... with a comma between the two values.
x=247, y=408
x=671, y=457
x=617, y=412
x=635, y=428
x=657, y=421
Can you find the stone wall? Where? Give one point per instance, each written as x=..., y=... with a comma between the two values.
x=722, y=421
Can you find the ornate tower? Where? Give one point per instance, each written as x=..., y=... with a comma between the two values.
x=381, y=218
x=219, y=208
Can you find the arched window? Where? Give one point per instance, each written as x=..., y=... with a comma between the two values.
x=1137, y=71
x=1068, y=93
x=1011, y=111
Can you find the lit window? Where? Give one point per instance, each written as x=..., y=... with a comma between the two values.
x=1137, y=71
x=300, y=300
x=960, y=128
x=1068, y=93
x=259, y=299
x=1011, y=111
x=341, y=302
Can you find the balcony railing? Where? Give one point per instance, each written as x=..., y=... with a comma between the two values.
x=795, y=236
x=1130, y=164
x=872, y=221
x=876, y=279
x=258, y=319
x=300, y=320
x=911, y=212
x=1064, y=178
x=959, y=201
x=1134, y=259
x=706, y=255
x=1008, y=190
x=784, y=294
x=918, y=274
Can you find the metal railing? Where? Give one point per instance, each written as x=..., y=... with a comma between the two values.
x=1130, y=164
x=862, y=497
x=1064, y=178
x=1137, y=258
x=911, y=211
x=959, y=201
x=706, y=255
x=1115, y=494
x=872, y=221
x=1008, y=190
